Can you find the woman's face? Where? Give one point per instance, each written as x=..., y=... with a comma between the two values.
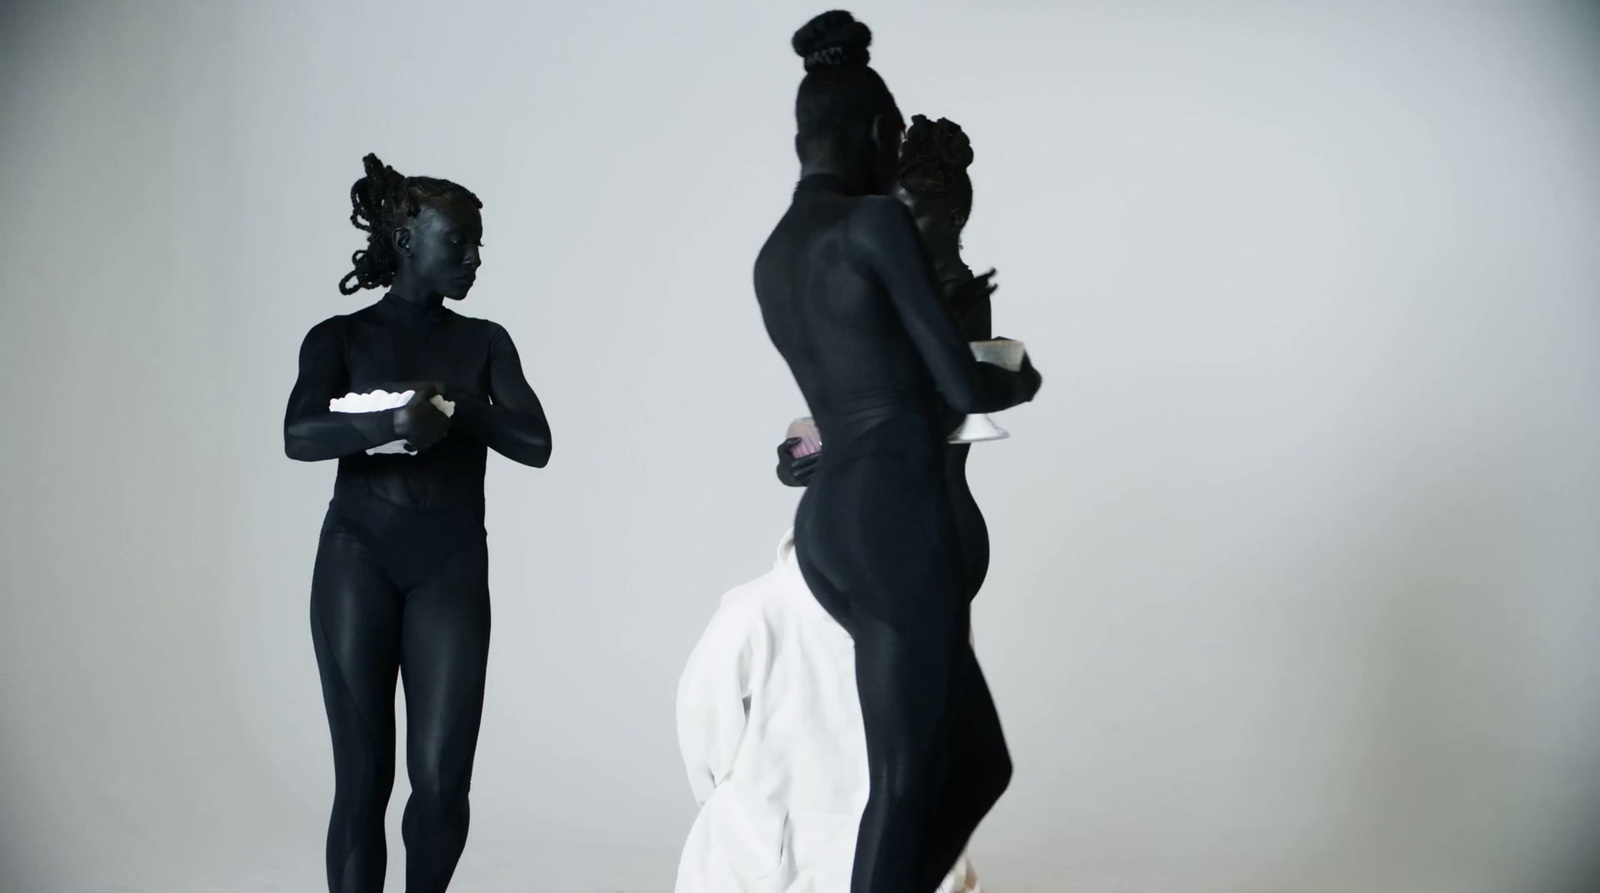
x=443, y=242
x=940, y=219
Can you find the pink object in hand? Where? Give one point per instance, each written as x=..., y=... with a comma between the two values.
x=810, y=438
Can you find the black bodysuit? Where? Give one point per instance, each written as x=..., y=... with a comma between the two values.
x=401, y=579
x=848, y=299
x=971, y=314
x=971, y=318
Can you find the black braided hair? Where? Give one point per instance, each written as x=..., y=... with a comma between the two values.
x=934, y=159
x=840, y=91
x=379, y=202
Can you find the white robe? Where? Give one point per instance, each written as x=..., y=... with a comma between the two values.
x=769, y=724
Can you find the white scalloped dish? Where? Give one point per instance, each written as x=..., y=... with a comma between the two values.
x=383, y=401
x=1006, y=354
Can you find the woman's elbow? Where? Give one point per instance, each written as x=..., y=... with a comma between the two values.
x=297, y=448
x=535, y=452
x=302, y=444
x=541, y=458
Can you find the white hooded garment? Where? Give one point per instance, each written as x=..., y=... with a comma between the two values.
x=769, y=724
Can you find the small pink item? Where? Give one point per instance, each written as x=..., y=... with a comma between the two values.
x=810, y=438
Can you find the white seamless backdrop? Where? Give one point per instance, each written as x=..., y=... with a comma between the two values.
x=1295, y=580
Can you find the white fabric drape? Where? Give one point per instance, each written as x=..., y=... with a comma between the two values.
x=769, y=725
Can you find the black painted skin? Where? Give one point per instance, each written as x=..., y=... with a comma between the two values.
x=850, y=299
x=401, y=578
x=966, y=299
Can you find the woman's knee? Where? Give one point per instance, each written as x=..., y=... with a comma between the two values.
x=440, y=790
x=364, y=776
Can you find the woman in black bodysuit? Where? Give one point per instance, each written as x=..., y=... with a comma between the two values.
x=934, y=185
x=849, y=299
x=401, y=578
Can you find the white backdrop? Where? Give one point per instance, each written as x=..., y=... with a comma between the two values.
x=1296, y=585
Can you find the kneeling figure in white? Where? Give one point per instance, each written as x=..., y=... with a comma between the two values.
x=769, y=724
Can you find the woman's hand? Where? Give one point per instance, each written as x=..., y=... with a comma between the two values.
x=419, y=421
x=1031, y=379
x=1028, y=378
x=963, y=296
x=795, y=472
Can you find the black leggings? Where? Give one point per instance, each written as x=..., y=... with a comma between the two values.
x=937, y=760
x=879, y=544
x=431, y=627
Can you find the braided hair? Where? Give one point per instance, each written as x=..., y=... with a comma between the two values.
x=380, y=202
x=934, y=160
x=840, y=91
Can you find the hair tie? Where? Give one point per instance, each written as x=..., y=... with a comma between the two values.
x=825, y=57
x=837, y=55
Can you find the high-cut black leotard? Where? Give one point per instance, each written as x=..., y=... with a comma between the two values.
x=401, y=579
x=848, y=299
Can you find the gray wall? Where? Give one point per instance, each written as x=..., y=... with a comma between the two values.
x=1296, y=583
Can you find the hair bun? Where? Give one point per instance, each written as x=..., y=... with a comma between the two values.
x=952, y=143
x=833, y=38
x=934, y=157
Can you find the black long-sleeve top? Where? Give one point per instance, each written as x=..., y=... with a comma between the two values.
x=396, y=345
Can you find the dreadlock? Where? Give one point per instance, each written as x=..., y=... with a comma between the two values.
x=380, y=202
x=934, y=159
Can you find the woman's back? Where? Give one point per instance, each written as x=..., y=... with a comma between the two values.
x=830, y=317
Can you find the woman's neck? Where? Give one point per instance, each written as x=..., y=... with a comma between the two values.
x=948, y=265
x=828, y=177
x=412, y=308
x=414, y=294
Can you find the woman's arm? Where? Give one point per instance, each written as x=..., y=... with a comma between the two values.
x=512, y=421
x=969, y=305
x=887, y=238
x=312, y=432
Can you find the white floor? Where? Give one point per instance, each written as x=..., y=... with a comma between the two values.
x=488, y=866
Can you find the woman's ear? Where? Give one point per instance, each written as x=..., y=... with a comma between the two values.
x=401, y=241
